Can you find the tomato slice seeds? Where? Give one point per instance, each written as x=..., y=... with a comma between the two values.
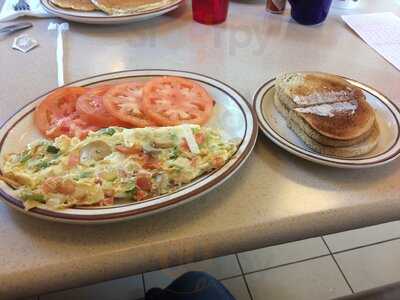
x=57, y=115
x=170, y=101
x=124, y=102
x=90, y=106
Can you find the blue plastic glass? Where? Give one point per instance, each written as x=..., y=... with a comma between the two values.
x=310, y=12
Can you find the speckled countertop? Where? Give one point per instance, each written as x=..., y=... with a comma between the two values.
x=274, y=198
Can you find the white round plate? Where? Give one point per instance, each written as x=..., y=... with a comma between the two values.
x=232, y=115
x=98, y=17
x=274, y=127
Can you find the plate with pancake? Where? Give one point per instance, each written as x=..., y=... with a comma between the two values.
x=329, y=119
x=109, y=11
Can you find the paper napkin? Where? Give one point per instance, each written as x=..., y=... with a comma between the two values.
x=381, y=31
x=8, y=13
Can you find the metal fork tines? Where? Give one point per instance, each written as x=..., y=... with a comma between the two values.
x=21, y=5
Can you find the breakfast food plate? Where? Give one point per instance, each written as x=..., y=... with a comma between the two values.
x=294, y=134
x=226, y=138
x=99, y=17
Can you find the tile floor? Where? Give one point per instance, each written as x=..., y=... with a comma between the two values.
x=318, y=268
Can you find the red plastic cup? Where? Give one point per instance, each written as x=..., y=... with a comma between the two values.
x=210, y=11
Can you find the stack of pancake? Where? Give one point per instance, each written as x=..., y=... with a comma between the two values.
x=113, y=7
x=328, y=113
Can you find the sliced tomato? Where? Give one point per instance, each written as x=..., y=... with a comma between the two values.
x=106, y=202
x=135, y=149
x=194, y=162
x=200, y=138
x=73, y=159
x=143, y=182
x=141, y=195
x=170, y=101
x=124, y=102
x=50, y=184
x=90, y=106
x=151, y=163
x=218, y=162
x=57, y=115
x=72, y=126
x=184, y=146
x=57, y=185
x=67, y=187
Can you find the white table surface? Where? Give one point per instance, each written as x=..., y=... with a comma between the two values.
x=275, y=197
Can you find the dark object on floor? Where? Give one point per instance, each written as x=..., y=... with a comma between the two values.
x=191, y=286
x=386, y=292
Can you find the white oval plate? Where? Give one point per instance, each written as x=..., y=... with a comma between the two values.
x=274, y=127
x=232, y=115
x=98, y=17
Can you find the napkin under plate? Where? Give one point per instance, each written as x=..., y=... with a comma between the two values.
x=7, y=12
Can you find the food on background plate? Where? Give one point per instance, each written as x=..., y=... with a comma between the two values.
x=328, y=113
x=82, y=5
x=113, y=164
x=162, y=101
x=113, y=7
x=127, y=7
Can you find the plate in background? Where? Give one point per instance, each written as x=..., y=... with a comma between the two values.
x=99, y=17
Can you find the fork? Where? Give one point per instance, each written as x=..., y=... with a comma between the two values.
x=15, y=27
x=21, y=5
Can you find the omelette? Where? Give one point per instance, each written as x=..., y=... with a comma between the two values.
x=82, y=5
x=127, y=7
x=113, y=164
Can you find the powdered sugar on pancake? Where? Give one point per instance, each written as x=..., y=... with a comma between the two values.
x=330, y=110
x=324, y=97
